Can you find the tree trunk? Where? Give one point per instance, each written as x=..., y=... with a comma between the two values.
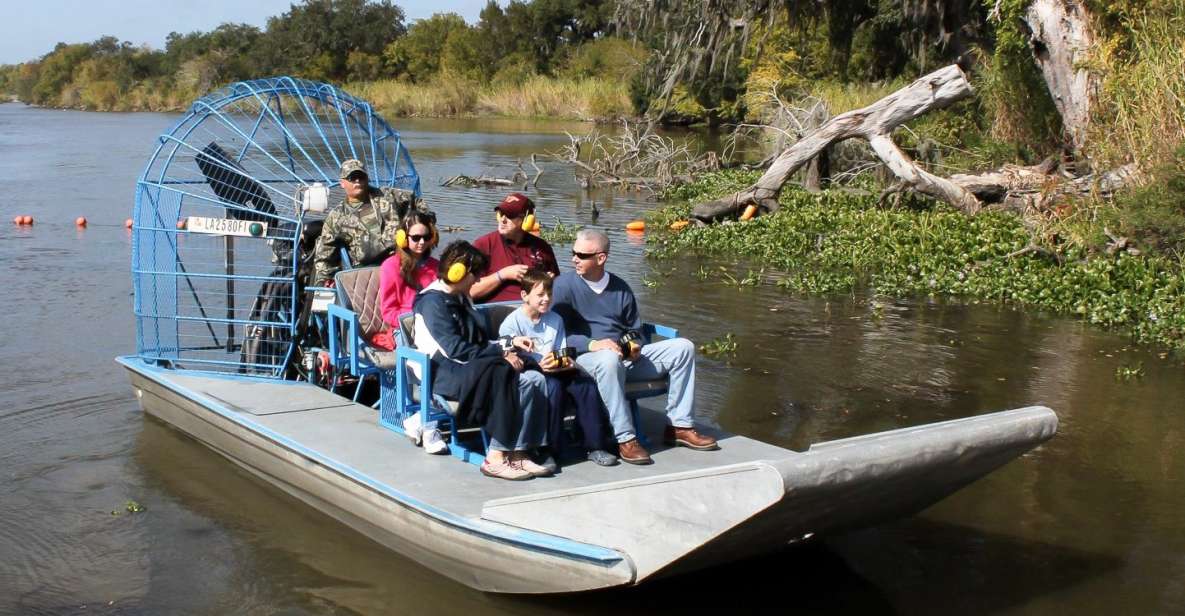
x=1061, y=39
x=874, y=123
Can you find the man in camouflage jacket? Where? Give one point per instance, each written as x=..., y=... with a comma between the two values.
x=364, y=223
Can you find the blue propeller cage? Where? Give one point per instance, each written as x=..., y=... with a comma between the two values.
x=223, y=303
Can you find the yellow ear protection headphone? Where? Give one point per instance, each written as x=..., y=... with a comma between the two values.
x=401, y=239
x=457, y=272
x=528, y=220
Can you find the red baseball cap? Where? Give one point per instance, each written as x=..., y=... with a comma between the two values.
x=516, y=205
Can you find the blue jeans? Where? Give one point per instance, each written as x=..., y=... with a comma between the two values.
x=532, y=395
x=674, y=358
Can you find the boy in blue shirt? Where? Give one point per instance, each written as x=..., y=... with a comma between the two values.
x=566, y=384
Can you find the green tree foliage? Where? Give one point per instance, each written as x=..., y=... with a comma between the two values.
x=314, y=39
x=418, y=55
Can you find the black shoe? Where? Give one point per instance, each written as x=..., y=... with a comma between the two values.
x=543, y=458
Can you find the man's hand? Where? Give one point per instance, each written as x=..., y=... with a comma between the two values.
x=605, y=344
x=635, y=352
x=329, y=284
x=524, y=342
x=549, y=364
x=512, y=273
x=514, y=360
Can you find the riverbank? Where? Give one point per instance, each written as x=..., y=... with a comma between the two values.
x=835, y=242
x=553, y=98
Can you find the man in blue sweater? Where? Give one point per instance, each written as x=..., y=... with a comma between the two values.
x=601, y=316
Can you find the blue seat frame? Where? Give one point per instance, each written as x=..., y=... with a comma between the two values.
x=350, y=358
x=397, y=402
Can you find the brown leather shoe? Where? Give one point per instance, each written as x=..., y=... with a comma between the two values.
x=688, y=437
x=632, y=452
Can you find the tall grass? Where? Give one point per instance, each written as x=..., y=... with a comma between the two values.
x=1141, y=110
x=536, y=97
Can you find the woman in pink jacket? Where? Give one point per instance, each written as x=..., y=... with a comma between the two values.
x=406, y=272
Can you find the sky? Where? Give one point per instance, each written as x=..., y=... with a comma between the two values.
x=29, y=30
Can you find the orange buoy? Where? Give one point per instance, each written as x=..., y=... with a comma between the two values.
x=80, y=221
x=181, y=224
x=679, y=224
x=18, y=220
x=750, y=212
x=636, y=225
x=26, y=220
x=127, y=224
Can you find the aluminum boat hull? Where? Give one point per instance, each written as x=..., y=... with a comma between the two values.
x=688, y=511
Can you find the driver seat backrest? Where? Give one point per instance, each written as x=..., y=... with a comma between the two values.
x=359, y=291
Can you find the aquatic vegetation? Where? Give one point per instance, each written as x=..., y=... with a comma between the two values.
x=722, y=346
x=559, y=233
x=130, y=507
x=1127, y=373
x=835, y=242
x=750, y=279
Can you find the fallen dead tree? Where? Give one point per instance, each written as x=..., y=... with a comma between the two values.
x=1013, y=187
x=519, y=178
x=873, y=123
x=635, y=158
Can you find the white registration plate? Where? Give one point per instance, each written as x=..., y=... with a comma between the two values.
x=225, y=226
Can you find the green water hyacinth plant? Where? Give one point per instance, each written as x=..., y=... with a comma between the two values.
x=836, y=242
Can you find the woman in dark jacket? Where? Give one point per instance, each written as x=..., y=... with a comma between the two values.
x=486, y=376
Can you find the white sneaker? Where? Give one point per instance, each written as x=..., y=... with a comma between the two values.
x=413, y=429
x=433, y=443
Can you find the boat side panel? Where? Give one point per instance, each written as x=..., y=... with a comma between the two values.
x=465, y=555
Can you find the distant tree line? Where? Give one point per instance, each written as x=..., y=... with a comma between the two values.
x=681, y=60
x=332, y=40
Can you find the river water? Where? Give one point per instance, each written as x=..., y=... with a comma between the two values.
x=1092, y=522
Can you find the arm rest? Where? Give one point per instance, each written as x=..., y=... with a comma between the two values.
x=649, y=330
x=350, y=356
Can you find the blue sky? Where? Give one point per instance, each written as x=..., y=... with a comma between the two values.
x=30, y=29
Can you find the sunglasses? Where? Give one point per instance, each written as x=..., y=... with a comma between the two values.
x=584, y=256
x=357, y=179
x=411, y=237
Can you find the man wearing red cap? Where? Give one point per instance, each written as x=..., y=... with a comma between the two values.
x=511, y=251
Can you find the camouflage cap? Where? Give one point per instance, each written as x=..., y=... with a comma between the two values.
x=350, y=166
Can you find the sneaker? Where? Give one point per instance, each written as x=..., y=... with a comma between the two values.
x=433, y=443
x=600, y=457
x=413, y=429
x=633, y=452
x=521, y=460
x=504, y=470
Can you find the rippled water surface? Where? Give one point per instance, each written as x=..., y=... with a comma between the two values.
x=1092, y=522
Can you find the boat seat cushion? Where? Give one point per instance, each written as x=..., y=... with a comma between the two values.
x=384, y=360
x=359, y=289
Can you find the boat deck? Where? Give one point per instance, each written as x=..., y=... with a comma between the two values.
x=339, y=433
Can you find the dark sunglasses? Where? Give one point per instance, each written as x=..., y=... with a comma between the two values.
x=357, y=178
x=584, y=256
x=418, y=238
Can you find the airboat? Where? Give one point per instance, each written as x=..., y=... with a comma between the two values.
x=229, y=353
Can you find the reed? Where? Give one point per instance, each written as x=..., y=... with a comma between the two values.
x=536, y=97
x=1141, y=109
